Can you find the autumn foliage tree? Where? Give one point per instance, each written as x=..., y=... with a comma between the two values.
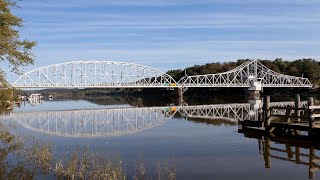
x=13, y=49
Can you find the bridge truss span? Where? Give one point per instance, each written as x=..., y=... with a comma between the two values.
x=95, y=74
x=244, y=76
x=110, y=74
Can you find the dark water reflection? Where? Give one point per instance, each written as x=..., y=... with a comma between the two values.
x=299, y=151
x=190, y=142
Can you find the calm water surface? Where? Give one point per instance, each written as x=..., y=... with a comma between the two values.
x=195, y=148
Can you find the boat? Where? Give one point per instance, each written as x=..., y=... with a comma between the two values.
x=35, y=96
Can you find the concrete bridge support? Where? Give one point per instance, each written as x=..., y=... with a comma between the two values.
x=181, y=91
x=181, y=101
x=255, y=89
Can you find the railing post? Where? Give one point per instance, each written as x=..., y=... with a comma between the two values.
x=311, y=119
x=266, y=104
x=297, y=105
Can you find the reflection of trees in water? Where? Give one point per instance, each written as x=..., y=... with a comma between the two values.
x=133, y=101
x=106, y=100
x=214, y=99
x=28, y=158
x=215, y=122
x=5, y=110
x=123, y=100
x=160, y=101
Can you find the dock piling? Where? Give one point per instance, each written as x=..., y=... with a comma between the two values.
x=266, y=104
x=311, y=118
x=297, y=152
x=297, y=105
x=267, y=152
x=311, y=163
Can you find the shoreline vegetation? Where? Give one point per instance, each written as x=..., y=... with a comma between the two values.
x=7, y=97
x=14, y=49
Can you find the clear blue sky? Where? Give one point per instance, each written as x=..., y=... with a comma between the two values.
x=169, y=34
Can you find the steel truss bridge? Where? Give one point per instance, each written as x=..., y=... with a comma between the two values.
x=123, y=121
x=248, y=74
x=111, y=74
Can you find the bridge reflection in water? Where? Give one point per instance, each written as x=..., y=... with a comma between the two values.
x=122, y=121
x=93, y=122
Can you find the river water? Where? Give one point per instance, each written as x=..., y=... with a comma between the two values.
x=167, y=141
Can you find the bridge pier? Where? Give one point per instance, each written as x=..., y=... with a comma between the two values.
x=181, y=101
x=253, y=94
x=181, y=90
x=255, y=103
x=255, y=89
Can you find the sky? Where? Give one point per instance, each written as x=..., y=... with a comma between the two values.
x=169, y=34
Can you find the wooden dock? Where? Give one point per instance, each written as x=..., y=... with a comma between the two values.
x=282, y=120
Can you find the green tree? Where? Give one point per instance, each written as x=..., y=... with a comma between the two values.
x=13, y=49
x=269, y=64
x=281, y=65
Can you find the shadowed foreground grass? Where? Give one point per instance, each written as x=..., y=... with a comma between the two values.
x=28, y=158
